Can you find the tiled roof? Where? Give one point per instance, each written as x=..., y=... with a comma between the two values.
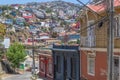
x=101, y=7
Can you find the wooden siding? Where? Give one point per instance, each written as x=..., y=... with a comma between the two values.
x=101, y=33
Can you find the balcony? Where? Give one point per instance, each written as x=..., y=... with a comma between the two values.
x=87, y=42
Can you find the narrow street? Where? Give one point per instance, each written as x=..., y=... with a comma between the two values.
x=24, y=76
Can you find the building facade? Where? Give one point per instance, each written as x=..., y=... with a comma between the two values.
x=94, y=30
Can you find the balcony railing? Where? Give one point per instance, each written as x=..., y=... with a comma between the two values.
x=87, y=42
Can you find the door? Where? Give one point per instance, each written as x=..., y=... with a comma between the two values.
x=66, y=66
x=71, y=67
x=58, y=66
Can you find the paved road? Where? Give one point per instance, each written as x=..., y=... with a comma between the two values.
x=24, y=76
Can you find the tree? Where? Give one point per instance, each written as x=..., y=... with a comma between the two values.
x=16, y=54
x=54, y=34
x=2, y=30
x=48, y=10
x=78, y=41
x=2, y=33
x=1, y=51
x=9, y=16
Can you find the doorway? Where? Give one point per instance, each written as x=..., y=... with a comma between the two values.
x=66, y=64
x=116, y=68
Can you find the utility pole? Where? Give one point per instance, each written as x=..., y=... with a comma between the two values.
x=110, y=39
x=33, y=65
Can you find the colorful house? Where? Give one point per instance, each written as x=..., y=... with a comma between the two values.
x=13, y=13
x=9, y=21
x=20, y=21
x=94, y=56
x=46, y=65
x=27, y=15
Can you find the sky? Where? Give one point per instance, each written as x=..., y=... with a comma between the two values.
x=3, y=2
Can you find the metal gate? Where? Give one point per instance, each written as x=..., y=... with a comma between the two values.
x=66, y=62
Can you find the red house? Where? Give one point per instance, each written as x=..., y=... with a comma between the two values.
x=46, y=65
x=29, y=17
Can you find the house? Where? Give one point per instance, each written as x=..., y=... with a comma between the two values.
x=39, y=14
x=20, y=21
x=70, y=37
x=15, y=6
x=43, y=36
x=62, y=63
x=13, y=13
x=28, y=9
x=75, y=26
x=49, y=42
x=94, y=42
x=11, y=29
x=27, y=15
x=66, y=62
x=46, y=64
x=9, y=21
x=59, y=29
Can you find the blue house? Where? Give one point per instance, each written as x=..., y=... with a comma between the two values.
x=9, y=21
x=20, y=21
x=28, y=9
x=32, y=27
x=66, y=62
x=13, y=13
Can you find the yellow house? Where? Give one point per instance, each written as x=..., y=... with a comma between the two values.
x=94, y=36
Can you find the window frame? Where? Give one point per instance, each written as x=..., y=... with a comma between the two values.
x=91, y=72
x=117, y=28
x=91, y=34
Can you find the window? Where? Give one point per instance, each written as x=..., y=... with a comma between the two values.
x=117, y=26
x=91, y=34
x=91, y=65
x=50, y=67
